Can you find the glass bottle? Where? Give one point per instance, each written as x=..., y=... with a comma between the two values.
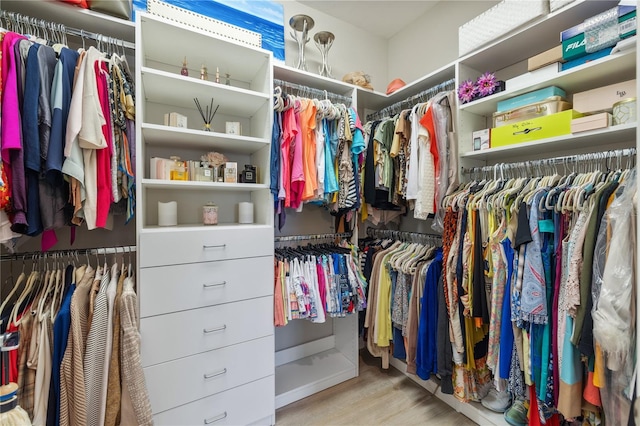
x=184, y=71
x=178, y=169
x=204, y=173
x=204, y=74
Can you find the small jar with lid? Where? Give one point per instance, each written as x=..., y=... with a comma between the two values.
x=210, y=214
x=178, y=169
x=625, y=111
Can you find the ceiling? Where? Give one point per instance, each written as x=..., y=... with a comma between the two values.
x=382, y=18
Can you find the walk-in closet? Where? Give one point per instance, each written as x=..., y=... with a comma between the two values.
x=286, y=212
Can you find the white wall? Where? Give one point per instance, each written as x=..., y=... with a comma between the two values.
x=431, y=41
x=354, y=49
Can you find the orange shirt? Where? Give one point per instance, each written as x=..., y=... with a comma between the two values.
x=308, y=131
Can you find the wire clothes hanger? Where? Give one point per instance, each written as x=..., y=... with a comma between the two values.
x=311, y=92
x=409, y=102
x=56, y=32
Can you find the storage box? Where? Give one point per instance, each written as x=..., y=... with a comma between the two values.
x=591, y=122
x=233, y=128
x=590, y=57
x=530, y=130
x=498, y=21
x=603, y=98
x=530, y=98
x=174, y=119
x=545, y=58
x=481, y=139
x=539, y=109
x=574, y=42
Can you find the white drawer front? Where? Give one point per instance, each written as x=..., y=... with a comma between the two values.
x=238, y=406
x=190, y=246
x=198, y=376
x=180, y=287
x=172, y=336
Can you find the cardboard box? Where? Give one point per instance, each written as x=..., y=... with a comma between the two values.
x=530, y=98
x=530, y=130
x=231, y=172
x=603, y=98
x=574, y=41
x=481, y=139
x=545, y=58
x=591, y=122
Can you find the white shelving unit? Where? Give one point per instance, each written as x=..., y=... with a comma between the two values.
x=209, y=289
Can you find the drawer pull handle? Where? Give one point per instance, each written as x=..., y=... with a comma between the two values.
x=215, y=419
x=214, y=329
x=205, y=247
x=216, y=374
x=211, y=285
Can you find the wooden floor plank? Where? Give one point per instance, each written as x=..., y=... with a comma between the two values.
x=375, y=397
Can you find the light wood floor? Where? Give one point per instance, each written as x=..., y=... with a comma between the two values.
x=376, y=397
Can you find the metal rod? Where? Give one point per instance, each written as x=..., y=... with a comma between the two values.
x=305, y=91
x=20, y=19
x=100, y=250
x=401, y=235
x=576, y=158
x=312, y=237
x=410, y=101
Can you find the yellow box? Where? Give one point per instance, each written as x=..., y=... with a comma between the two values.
x=548, y=126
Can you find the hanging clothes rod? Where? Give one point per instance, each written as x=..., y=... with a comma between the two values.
x=23, y=24
x=306, y=92
x=537, y=165
x=95, y=250
x=401, y=235
x=409, y=102
x=312, y=237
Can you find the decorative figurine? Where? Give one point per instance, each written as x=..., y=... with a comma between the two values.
x=324, y=41
x=204, y=75
x=302, y=24
x=228, y=79
x=217, y=75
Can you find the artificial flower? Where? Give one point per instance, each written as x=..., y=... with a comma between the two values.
x=466, y=91
x=486, y=84
x=215, y=159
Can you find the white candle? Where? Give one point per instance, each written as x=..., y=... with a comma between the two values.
x=167, y=213
x=245, y=212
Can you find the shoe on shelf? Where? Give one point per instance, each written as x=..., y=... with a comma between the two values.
x=517, y=414
x=497, y=401
x=483, y=391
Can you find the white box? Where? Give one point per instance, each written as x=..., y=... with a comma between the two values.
x=603, y=98
x=175, y=120
x=205, y=23
x=498, y=21
x=233, y=128
x=482, y=139
x=231, y=172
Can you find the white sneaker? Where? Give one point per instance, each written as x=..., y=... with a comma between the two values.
x=497, y=401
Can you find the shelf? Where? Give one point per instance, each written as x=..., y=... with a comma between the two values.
x=154, y=229
x=307, y=376
x=377, y=100
x=595, y=139
x=608, y=70
x=204, y=186
x=241, y=61
x=306, y=78
x=533, y=38
x=159, y=135
x=232, y=100
x=73, y=17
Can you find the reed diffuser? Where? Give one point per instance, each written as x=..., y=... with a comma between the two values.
x=207, y=114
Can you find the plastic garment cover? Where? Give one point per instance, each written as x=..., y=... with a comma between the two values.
x=613, y=293
x=441, y=116
x=613, y=323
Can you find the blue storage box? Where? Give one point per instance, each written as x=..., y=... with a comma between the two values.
x=529, y=98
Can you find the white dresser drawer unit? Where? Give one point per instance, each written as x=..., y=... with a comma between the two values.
x=238, y=406
x=178, y=382
x=174, y=247
x=175, y=288
x=172, y=336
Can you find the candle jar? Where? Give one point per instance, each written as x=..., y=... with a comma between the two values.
x=210, y=214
